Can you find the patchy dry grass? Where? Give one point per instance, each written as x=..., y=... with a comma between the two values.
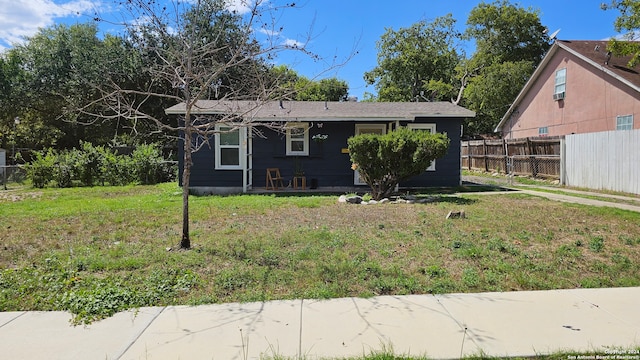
x=101, y=250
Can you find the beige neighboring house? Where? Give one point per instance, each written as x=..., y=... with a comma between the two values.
x=579, y=87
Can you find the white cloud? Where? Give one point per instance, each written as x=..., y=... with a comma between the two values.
x=268, y=32
x=19, y=19
x=240, y=6
x=293, y=43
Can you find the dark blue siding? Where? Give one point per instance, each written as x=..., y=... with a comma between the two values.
x=326, y=163
x=203, y=173
x=447, y=171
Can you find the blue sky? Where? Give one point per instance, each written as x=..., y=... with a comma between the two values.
x=338, y=27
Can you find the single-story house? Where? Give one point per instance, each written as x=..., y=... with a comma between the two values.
x=311, y=142
x=579, y=87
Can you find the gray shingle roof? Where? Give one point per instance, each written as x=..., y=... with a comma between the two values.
x=326, y=111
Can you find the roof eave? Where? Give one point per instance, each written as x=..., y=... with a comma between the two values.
x=556, y=45
x=602, y=67
x=180, y=110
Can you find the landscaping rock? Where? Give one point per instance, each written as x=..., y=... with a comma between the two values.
x=384, y=201
x=354, y=199
x=342, y=199
x=372, y=202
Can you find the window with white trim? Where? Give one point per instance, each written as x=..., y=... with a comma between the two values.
x=624, y=122
x=543, y=131
x=228, y=148
x=431, y=128
x=560, y=83
x=297, y=138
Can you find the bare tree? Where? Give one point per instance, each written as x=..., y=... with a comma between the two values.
x=202, y=49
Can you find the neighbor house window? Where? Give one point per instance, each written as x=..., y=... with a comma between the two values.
x=431, y=128
x=560, y=85
x=297, y=138
x=227, y=148
x=624, y=122
x=543, y=131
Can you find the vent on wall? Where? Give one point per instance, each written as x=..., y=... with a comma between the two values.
x=558, y=96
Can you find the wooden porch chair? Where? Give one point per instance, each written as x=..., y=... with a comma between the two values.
x=274, y=179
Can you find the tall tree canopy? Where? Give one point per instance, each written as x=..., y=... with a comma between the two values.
x=504, y=32
x=628, y=23
x=510, y=43
x=298, y=87
x=56, y=71
x=417, y=63
x=422, y=63
x=57, y=64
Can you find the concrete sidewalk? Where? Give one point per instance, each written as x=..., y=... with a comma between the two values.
x=524, y=323
x=581, y=200
x=569, y=196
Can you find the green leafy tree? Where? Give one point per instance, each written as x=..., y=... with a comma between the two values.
x=506, y=32
x=510, y=42
x=491, y=92
x=383, y=161
x=61, y=63
x=298, y=87
x=331, y=89
x=417, y=63
x=629, y=23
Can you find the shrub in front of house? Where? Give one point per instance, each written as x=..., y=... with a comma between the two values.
x=383, y=161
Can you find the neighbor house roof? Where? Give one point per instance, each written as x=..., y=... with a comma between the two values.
x=595, y=54
x=325, y=111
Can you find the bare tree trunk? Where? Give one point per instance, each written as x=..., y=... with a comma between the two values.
x=185, y=242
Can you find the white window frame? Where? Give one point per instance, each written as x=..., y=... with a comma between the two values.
x=362, y=128
x=624, y=122
x=218, y=147
x=543, y=131
x=305, y=139
x=432, y=130
x=560, y=86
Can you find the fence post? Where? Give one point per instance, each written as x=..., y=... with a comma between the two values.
x=504, y=150
x=532, y=159
x=563, y=159
x=484, y=153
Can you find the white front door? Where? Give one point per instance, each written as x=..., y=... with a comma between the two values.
x=367, y=129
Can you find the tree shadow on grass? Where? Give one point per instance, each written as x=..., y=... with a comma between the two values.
x=455, y=200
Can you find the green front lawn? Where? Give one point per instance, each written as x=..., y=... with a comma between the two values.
x=96, y=251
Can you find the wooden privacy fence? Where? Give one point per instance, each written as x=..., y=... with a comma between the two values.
x=537, y=157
